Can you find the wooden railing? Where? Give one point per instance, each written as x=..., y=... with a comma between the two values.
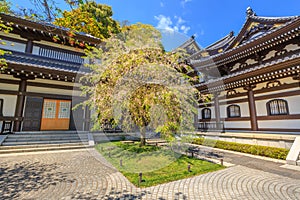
x=211, y=126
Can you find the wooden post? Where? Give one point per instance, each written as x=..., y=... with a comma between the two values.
x=217, y=109
x=189, y=168
x=20, y=104
x=252, y=107
x=140, y=177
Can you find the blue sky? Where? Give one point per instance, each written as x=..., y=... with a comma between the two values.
x=209, y=20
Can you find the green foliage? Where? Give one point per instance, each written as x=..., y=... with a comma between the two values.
x=136, y=148
x=272, y=152
x=90, y=17
x=5, y=7
x=157, y=165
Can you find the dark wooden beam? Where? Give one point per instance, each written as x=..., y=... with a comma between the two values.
x=20, y=104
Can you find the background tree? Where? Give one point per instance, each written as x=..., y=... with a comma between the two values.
x=139, y=85
x=90, y=17
x=5, y=7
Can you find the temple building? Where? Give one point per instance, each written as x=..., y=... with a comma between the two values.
x=39, y=86
x=252, y=79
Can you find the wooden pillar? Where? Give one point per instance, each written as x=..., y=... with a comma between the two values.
x=20, y=104
x=217, y=109
x=252, y=107
x=29, y=46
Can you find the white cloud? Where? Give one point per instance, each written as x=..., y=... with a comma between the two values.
x=183, y=2
x=164, y=23
x=167, y=24
x=185, y=29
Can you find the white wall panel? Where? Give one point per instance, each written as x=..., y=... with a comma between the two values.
x=280, y=124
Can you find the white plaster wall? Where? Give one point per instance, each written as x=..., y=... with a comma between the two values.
x=9, y=104
x=52, y=91
x=223, y=111
x=237, y=124
x=13, y=46
x=5, y=76
x=293, y=105
x=280, y=124
x=11, y=87
x=261, y=108
x=53, y=82
x=244, y=109
x=60, y=46
x=12, y=35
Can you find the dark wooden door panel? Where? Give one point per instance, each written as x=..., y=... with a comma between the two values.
x=33, y=114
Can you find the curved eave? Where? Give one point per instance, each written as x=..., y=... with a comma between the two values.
x=44, y=27
x=274, y=37
x=258, y=70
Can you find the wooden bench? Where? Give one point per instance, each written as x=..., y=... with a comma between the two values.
x=156, y=142
x=127, y=142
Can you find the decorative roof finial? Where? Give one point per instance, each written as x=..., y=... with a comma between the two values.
x=250, y=12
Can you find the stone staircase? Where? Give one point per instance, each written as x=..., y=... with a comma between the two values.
x=43, y=141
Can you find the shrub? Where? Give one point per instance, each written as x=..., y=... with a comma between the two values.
x=272, y=152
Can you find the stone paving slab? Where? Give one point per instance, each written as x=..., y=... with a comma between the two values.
x=86, y=175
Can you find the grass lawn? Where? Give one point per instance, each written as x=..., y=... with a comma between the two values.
x=158, y=165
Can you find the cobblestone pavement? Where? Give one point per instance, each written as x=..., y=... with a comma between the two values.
x=86, y=175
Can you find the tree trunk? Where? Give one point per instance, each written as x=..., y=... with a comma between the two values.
x=143, y=136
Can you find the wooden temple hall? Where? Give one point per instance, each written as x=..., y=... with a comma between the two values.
x=39, y=86
x=252, y=78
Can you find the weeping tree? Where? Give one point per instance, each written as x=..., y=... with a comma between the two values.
x=139, y=85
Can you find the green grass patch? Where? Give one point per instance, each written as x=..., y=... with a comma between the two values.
x=272, y=152
x=158, y=165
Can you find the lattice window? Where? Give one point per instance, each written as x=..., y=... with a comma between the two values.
x=206, y=113
x=277, y=107
x=233, y=111
x=64, y=110
x=49, y=109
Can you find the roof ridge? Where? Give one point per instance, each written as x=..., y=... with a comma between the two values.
x=231, y=34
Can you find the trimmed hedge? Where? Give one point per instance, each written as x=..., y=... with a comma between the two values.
x=272, y=152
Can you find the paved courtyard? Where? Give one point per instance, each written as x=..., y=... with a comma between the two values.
x=86, y=175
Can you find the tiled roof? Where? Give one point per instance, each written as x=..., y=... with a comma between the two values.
x=46, y=27
x=258, y=67
x=210, y=58
x=45, y=63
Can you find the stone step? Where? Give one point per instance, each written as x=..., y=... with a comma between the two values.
x=39, y=142
x=48, y=132
x=42, y=145
x=43, y=138
x=43, y=148
x=45, y=135
x=298, y=162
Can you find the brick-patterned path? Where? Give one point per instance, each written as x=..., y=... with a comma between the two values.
x=86, y=175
